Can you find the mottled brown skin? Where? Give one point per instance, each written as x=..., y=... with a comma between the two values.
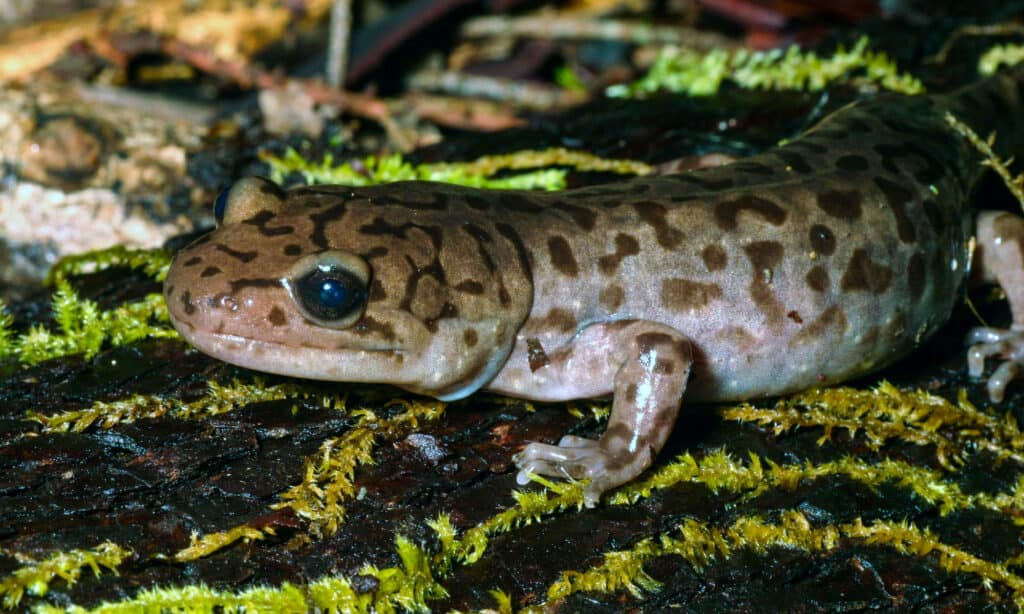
x=811, y=263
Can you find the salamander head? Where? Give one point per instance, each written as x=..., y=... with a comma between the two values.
x=304, y=284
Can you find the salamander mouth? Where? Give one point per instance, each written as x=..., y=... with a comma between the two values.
x=356, y=364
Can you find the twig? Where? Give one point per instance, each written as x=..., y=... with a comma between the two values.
x=526, y=95
x=998, y=29
x=573, y=28
x=337, y=52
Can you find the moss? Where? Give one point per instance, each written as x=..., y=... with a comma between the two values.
x=408, y=587
x=479, y=173
x=999, y=56
x=206, y=545
x=83, y=328
x=890, y=413
x=218, y=400
x=327, y=481
x=35, y=577
x=702, y=74
x=154, y=262
x=701, y=544
x=386, y=169
x=1002, y=167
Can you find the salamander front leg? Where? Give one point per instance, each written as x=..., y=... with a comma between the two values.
x=1000, y=259
x=650, y=364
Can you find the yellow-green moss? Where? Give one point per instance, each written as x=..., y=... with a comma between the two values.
x=1014, y=183
x=701, y=544
x=702, y=74
x=218, y=400
x=387, y=169
x=35, y=577
x=409, y=588
x=154, y=262
x=328, y=477
x=890, y=413
x=84, y=329
x=478, y=173
x=999, y=56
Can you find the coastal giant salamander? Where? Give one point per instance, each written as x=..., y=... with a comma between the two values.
x=809, y=264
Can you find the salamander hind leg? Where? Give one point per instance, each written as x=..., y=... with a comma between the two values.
x=1000, y=259
x=649, y=364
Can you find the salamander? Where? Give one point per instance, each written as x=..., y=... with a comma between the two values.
x=814, y=262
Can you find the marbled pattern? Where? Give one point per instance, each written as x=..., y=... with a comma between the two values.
x=809, y=264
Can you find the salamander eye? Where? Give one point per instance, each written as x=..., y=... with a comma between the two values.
x=330, y=294
x=330, y=288
x=220, y=204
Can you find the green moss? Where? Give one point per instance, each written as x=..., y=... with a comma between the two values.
x=328, y=478
x=702, y=74
x=218, y=400
x=154, y=262
x=701, y=544
x=84, y=329
x=999, y=56
x=35, y=577
x=387, y=169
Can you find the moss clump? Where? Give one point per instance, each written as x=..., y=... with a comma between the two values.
x=407, y=588
x=701, y=544
x=478, y=173
x=35, y=577
x=154, y=262
x=84, y=328
x=890, y=413
x=999, y=56
x=329, y=473
x=386, y=169
x=702, y=74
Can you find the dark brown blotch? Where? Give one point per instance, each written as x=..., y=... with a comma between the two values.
x=377, y=292
x=653, y=214
x=714, y=257
x=611, y=297
x=584, y=218
x=210, y=271
x=727, y=212
x=817, y=279
x=832, y=318
x=186, y=303
x=562, y=257
x=842, y=204
x=823, y=241
x=292, y=249
x=916, y=275
x=685, y=295
x=368, y=325
x=244, y=257
x=898, y=198
x=194, y=260
x=277, y=317
x=864, y=275
x=470, y=337
x=470, y=286
x=764, y=256
x=625, y=246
